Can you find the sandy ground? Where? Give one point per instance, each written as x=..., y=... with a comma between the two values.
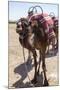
x=17, y=72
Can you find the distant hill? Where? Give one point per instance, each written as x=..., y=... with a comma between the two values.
x=12, y=22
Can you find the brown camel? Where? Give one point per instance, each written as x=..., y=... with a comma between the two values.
x=32, y=39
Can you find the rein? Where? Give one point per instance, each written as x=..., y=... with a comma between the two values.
x=26, y=66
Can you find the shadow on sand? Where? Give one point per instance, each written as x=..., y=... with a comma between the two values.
x=21, y=70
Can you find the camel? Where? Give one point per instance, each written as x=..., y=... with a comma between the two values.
x=32, y=39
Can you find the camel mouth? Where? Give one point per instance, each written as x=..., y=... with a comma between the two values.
x=18, y=30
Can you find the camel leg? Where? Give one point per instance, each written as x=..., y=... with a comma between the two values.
x=35, y=63
x=53, y=45
x=44, y=70
x=56, y=33
x=39, y=63
x=29, y=57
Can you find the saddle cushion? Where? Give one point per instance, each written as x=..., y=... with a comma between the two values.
x=46, y=21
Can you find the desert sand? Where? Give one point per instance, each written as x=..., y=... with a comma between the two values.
x=17, y=72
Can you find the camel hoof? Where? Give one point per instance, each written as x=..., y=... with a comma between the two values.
x=46, y=83
x=34, y=81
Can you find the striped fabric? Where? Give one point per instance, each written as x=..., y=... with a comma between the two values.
x=42, y=18
x=46, y=22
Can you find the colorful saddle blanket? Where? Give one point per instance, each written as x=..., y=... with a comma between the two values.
x=46, y=21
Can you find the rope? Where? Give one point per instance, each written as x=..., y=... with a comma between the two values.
x=26, y=66
x=38, y=7
x=32, y=8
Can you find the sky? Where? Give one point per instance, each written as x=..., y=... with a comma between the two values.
x=20, y=9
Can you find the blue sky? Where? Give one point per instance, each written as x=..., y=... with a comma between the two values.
x=20, y=9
